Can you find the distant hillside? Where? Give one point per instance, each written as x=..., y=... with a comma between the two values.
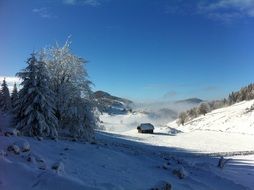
x=237, y=118
x=111, y=104
x=190, y=101
x=245, y=93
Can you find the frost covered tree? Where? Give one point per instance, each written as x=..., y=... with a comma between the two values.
x=80, y=119
x=182, y=118
x=14, y=95
x=69, y=81
x=204, y=108
x=35, y=108
x=5, y=99
x=245, y=93
x=192, y=113
x=232, y=98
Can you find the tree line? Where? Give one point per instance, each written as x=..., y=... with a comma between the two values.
x=55, y=98
x=245, y=93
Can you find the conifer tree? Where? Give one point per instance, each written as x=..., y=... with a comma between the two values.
x=14, y=95
x=35, y=108
x=5, y=100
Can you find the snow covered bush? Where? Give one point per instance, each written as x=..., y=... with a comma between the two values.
x=34, y=111
x=162, y=185
x=14, y=148
x=180, y=172
x=23, y=145
x=58, y=167
x=10, y=132
x=30, y=158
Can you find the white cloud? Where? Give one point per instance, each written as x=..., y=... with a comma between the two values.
x=223, y=10
x=238, y=4
x=93, y=3
x=227, y=10
x=43, y=12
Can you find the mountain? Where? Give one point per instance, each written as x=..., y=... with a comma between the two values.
x=111, y=104
x=189, y=101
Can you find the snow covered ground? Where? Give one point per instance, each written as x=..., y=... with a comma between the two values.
x=113, y=163
x=123, y=159
x=227, y=131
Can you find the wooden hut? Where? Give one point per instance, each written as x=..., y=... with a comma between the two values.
x=145, y=128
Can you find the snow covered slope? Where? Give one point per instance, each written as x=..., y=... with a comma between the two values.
x=229, y=129
x=233, y=119
x=111, y=104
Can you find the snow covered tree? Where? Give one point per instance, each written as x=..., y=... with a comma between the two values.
x=69, y=81
x=204, y=108
x=182, y=118
x=35, y=108
x=79, y=118
x=192, y=113
x=232, y=98
x=14, y=95
x=5, y=99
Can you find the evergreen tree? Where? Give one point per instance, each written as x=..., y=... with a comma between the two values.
x=14, y=95
x=5, y=100
x=35, y=108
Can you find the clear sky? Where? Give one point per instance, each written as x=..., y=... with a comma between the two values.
x=139, y=49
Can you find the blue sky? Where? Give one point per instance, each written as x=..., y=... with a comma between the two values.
x=139, y=49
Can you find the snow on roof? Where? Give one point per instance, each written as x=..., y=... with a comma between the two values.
x=146, y=126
